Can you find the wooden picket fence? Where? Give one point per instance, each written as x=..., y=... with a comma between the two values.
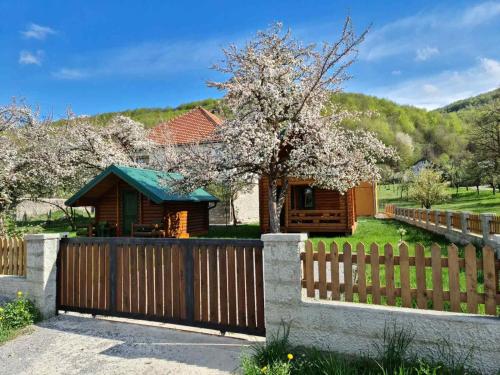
x=12, y=256
x=397, y=279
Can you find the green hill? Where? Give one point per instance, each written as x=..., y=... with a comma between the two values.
x=416, y=133
x=151, y=117
x=472, y=103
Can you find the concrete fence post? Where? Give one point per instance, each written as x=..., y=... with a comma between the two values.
x=427, y=214
x=449, y=215
x=485, y=225
x=464, y=218
x=282, y=277
x=41, y=251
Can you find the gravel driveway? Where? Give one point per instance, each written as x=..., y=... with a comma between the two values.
x=70, y=344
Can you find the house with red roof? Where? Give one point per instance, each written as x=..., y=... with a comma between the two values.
x=195, y=126
x=198, y=127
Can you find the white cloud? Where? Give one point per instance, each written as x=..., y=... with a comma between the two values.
x=35, y=31
x=429, y=89
x=396, y=72
x=426, y=53
x=29, y=58
x=481, y=13
x=446, y=87
x=436, y=26
x=146, y=60
x=69, y=74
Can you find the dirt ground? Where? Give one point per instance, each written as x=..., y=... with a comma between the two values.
x=72, y=344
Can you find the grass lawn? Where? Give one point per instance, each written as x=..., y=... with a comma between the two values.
x=464, y=200
x=57, y=224
x=369, y=230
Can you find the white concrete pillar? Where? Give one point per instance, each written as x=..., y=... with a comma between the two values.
x=464, y=217
x=282, y=277
x=485, y=225
x=41, y=272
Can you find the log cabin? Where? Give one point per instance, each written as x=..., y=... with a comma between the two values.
x=138, y=202
x=313, y=210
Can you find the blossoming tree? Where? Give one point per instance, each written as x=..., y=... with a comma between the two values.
x=41, y=159
x=281, y=126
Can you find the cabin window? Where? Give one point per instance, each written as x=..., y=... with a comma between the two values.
x=302, y=198
x=142, y=159
x=308, y=197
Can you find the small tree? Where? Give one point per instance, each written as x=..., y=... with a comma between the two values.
x=428, y=188
x=280, y=128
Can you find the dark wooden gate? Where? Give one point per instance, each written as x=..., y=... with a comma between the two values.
x=209, y=283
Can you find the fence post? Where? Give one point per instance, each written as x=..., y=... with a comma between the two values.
x=41, y=270
x=464, y=218
x=485, y=225
x=427, y=214
x=436, y=218
x=449, y=215
x=282, y=277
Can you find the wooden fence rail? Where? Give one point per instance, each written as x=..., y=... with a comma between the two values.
x=473, y=221
x=12, y=256
x=394, y=277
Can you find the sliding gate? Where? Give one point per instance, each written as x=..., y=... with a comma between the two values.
x=209, y=283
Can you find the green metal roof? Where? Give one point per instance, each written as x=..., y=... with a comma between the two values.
x=151, y=183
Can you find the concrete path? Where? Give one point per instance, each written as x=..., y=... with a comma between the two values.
x=70, y=344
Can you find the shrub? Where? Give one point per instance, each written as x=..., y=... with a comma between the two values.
x=393, y=357
x=19, y=313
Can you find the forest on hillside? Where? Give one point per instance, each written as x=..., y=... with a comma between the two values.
x=440, y=137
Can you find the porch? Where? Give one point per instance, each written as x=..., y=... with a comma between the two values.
x=310, y=209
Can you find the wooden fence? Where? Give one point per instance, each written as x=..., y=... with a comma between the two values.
x=394, y=277
x=208, y=283
x=473, y=220
x=12, y=256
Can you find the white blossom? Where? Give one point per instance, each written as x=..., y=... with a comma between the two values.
x=280, y=126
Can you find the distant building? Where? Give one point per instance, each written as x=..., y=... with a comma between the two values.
x=198, y=127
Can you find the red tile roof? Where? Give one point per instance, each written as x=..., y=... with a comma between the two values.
x=197, y=125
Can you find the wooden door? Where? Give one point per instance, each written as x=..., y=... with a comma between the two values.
x=130, y=210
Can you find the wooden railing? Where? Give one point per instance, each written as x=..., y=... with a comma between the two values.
x=12, y=256
x=474, y=224
x=319, y=218
x=397, y=277
x=495, y=225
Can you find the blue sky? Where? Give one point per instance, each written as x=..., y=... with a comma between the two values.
x=100, y=56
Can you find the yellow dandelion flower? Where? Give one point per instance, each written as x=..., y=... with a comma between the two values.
x=263, y=369
x=290, y=356
x=19, y=294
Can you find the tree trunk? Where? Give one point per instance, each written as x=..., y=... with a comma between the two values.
x=274, y=219
x=233, y=211
x=477, y=189
x=276, y=203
